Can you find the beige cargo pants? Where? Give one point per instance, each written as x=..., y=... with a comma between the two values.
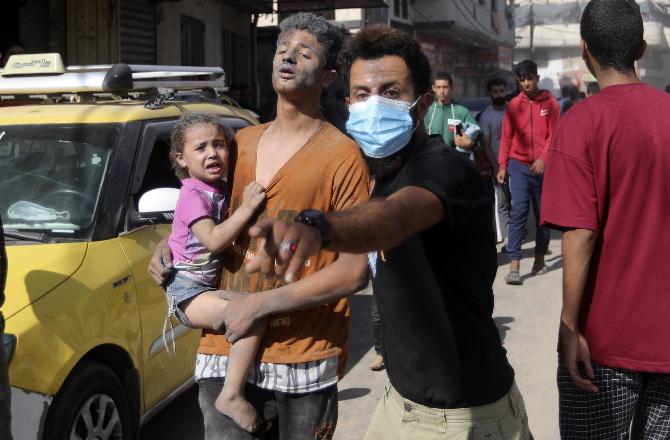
x=397, y=418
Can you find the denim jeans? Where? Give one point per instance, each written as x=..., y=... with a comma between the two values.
x=285, y=416
x=376, y=326
x=526, y=191
x=5, y=398
x=180, y=288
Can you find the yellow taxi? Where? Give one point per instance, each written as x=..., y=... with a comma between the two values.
x=86, y=192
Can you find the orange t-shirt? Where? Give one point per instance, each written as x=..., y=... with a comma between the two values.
x=328, y=173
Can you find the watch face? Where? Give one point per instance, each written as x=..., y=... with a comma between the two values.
x=316, y=219
x=310, y=216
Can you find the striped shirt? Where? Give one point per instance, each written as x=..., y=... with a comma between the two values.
x=303, y=377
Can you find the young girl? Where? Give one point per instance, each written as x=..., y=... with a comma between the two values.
x=200, y=230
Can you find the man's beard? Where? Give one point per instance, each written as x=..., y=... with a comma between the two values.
x=498, y=102
x=385, y=167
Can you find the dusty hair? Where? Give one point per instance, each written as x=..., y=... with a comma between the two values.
x=329, y=36
x=178, y=137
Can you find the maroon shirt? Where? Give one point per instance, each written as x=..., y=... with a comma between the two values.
x=608, y=170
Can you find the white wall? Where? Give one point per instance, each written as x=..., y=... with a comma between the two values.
x=216, y=16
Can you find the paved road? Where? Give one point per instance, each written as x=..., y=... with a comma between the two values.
x=527, y=317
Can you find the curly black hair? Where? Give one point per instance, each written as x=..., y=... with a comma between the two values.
x=376, y=41
x=613, y=32
x=495, y=82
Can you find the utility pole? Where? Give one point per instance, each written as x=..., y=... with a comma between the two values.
x=531, y=23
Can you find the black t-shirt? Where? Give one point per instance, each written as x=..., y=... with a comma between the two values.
x=3, y=264
x=434, y=290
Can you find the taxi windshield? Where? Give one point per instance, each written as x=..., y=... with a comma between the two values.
x=51, y=176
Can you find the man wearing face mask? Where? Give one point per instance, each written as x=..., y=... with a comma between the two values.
x=449, y=374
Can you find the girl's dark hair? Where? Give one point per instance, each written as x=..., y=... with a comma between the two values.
x=613, y=32
x=376, y=41
x=178, y=137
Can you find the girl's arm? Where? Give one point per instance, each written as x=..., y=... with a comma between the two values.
x=215, y=237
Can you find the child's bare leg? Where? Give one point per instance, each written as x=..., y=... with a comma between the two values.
x=205, y=310
x=231, y=401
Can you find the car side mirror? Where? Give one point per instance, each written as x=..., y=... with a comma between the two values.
x=157, y=206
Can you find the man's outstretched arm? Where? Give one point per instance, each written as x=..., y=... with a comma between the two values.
x=335, y=281
x=578, y=247
x=374, y=225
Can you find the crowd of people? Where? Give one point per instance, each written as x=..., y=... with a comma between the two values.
x=414, y=196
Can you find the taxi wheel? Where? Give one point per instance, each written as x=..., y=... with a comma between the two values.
x=91, y=405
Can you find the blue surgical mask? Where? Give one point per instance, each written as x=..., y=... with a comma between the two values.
x=381, y=126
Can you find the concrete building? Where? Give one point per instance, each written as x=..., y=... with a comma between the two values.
x=473, y=40
x=183, y=32
x=547, y=31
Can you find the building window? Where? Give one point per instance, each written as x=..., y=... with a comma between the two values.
x=400, y=9
x=236, y=51
x=192, y=41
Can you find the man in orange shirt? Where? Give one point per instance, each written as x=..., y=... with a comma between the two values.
x=302, y=162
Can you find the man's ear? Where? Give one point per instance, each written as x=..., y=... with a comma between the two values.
x=346, y=99
x=642, y=50
x=583, y=50
x=424, y=103
x=327, y=78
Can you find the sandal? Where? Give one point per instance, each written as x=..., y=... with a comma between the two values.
x=513, y=278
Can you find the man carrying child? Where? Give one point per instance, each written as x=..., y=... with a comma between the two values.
x=302, y=162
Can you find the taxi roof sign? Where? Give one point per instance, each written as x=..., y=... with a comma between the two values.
x=34, y=64
x=35, y=74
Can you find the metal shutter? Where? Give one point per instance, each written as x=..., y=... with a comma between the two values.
x=138, y=32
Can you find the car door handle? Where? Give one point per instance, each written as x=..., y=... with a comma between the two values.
x=121, y=282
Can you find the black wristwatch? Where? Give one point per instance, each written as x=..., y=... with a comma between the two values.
x=316, y=219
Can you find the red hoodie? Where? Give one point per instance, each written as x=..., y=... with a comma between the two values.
x=527, y=128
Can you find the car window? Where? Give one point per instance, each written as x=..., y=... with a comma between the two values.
x=51, y=177
x=155, y=171
x=159, y=172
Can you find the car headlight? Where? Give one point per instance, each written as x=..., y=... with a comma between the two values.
x=9, y=344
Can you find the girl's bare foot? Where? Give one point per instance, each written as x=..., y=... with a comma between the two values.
x=240, y=410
